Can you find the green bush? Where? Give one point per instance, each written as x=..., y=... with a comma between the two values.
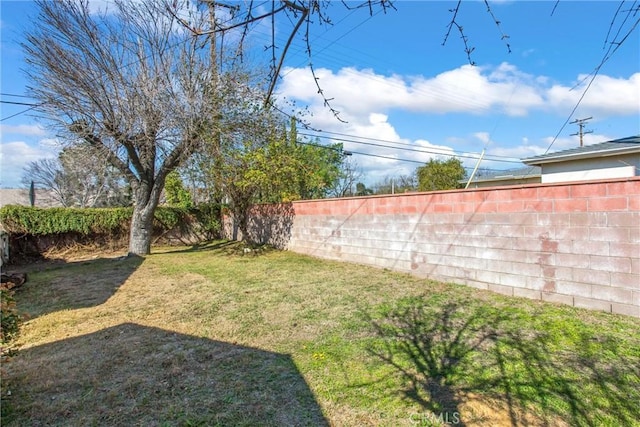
x=169, y=217
x=40, y=221
x=175, y=192
x=10, y=321
x=208, y=215
x=104, y=221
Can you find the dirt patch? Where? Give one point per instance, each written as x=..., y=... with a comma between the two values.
x=477, y=410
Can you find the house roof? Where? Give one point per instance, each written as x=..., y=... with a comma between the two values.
x=627, y=145
x=508, y=175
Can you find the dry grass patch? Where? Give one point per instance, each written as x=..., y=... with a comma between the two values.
x=210, y=335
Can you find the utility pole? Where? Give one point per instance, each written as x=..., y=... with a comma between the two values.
x=212, y=4
x=581, y=131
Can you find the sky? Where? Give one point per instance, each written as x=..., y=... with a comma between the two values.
x=404, y=97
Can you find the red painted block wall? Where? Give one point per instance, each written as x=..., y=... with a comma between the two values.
x=573, y=243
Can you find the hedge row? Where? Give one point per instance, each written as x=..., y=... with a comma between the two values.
x=105, y=221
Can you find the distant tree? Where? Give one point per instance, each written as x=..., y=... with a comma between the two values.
x=440, y=175
x=395, y=184
x=320, y=170
x=347, y=179
x=32, y=194
x=264, y=162
x=75, y=179
x=252, y=164
x=46, y=174
x=175, y=192
x=362, y=190
x=198, y=179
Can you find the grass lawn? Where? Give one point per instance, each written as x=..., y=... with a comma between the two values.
x=209, y=335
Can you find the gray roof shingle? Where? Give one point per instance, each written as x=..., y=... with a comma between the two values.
x=630, y=144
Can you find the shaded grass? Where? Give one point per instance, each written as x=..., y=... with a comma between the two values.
x=213, y=335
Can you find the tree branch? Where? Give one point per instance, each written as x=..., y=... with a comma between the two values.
x=97, y=143
x=303, y=17
x=465, y=40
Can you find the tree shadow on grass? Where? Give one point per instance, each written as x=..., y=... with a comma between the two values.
x=226, y=247
x=74, y=285
x=213, y=246
x=456, y=350
x=137, y=375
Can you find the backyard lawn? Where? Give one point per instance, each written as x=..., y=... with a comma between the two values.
x=213, y=335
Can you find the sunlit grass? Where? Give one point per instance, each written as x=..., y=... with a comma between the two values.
x=215, y=335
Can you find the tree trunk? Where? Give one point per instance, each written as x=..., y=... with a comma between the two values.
x=240, y=210
x=243, y=222
x=141, y=230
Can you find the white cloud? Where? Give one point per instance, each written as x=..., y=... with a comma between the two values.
x=484, y=137
x=29, y=130
x=527, y=52
x=366, y=100
x=473, y=90
x=15, y=155
x=467, y=89
x=606, y=96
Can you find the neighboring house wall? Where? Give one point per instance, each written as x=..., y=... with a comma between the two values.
x=577, y=243
x=592, y=169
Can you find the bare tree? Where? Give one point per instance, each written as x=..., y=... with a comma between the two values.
x=131, y=83
x=395, y=184
x=350, y=175
x=46, y=174
x=75, y=179
x=91, y=183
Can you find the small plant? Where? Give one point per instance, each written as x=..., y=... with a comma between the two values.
x=10, y=321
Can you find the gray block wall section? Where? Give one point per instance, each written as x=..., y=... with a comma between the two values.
x=576, y=243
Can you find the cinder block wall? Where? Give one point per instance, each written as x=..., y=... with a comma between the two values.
x=576, y=243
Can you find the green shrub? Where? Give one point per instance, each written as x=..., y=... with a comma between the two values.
x=169, y=217
x=103, y=224
x=85, y=221
x=175, y=192
x=41, y=221
x=10, y=321
x=208, y=215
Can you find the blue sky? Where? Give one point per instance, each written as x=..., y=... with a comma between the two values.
x=398, y=87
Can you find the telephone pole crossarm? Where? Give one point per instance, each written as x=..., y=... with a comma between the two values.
x=581, y=131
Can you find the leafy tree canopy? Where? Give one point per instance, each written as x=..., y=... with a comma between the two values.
x=440, y=175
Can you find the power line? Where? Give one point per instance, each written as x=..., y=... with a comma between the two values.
x=446, y=93
x=442, y=152
x=28, y=104
x=397, y=143
x=459, y=99
x=399, y=159
x=15, y=95
x=608, y=55
x=18, y=113
x=308, y=127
